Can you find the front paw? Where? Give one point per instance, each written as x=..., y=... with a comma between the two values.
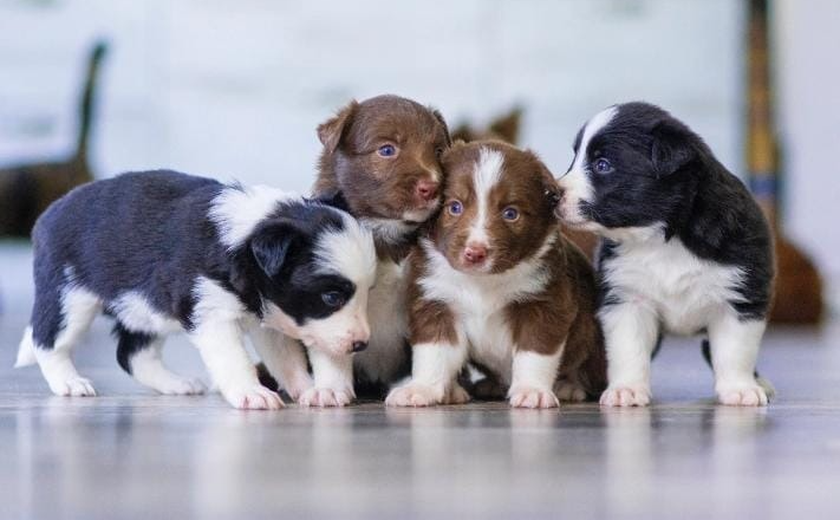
x=325, y=397
x=415, y=395
x=297, y=387
x=456, y=395
x=529, y=397
x=570, y=391
x=256, y=397
x=626, y=395
x=742, y=394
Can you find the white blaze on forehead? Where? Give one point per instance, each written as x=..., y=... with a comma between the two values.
x=349, y=252
x=488, y=172
x=236, y=211
x=575, y=182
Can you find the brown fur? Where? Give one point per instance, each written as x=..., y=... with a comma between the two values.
x=27, y=190
x=563, y=311
x=378, y=187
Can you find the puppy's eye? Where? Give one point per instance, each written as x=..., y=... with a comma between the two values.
x=602, y=166
x=510, y=214
x=455, y=208
x=332, y=299
x=387, y=150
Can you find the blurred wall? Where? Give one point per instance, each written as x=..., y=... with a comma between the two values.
x=236, y=88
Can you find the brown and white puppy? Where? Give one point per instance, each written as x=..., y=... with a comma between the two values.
x=382, y=156
x=496, y=283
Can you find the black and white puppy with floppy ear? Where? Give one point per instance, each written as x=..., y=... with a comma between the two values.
x=163, y=252
x=685, y=249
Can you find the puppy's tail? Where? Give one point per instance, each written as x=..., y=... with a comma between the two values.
x=764, y=383
x=26, y=350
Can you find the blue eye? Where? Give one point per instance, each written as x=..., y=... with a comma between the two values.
x=387, y=150
x=510, y=213
x=603, y=166
x=332, y=299
x=455, y=208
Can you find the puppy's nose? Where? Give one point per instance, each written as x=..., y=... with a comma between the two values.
x=427, y=190
x=359, y=346
x=475, y=253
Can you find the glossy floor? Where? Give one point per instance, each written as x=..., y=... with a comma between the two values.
x=131, y=454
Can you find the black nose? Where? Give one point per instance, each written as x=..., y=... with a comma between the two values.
x=359, y=346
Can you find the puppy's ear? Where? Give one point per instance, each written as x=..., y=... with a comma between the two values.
x=335, y=199
x=507, y=126
x=331, y=130
x=442, y=121
x=270, y=244
x=671, y=149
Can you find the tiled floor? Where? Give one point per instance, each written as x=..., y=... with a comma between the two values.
x=130, y=454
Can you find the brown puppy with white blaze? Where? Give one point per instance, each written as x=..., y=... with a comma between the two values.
x=382, y=157
x=496, y=283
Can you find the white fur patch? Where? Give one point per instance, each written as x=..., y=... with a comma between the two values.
x=135, y=312
x=237, y=211
x=26, y=350
x=534, y=370
x=488, y=172
x=350, y=252
x=389, y=230
x=575, y=183
x=214, y=302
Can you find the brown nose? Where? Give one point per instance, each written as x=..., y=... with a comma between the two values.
x=426, y=190
x=475, y=254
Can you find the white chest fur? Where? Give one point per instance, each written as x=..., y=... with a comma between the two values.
x=388, y=320
x=478, y=302
x=685, y=291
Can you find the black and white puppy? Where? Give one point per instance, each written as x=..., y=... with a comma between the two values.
x=163, y=252
x=686, y=249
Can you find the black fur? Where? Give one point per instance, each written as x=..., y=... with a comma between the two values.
x=664, y=172
x=150, y=232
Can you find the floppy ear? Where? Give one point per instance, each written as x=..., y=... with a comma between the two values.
x=270, y=244
x=442, y=121
x=671, y=149
x=331, y=130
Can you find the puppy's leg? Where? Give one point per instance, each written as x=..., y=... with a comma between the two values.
x=139, y=354
x=735, y=346
x=78, y=308
x=219, y=341
x=435, y=368
x=333, y=385
x=532, y=379
x=285, y=359
x=630, y=332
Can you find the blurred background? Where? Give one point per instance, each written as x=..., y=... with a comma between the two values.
x=235, y=89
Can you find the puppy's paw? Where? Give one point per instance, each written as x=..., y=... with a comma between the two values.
x=297, y=387
x=626, y=395
x=414, y=394
x=570, y=391
x=255, y=397
x=325, y=397
x=76, y=386
x=182, y=386
x=456, y=395
x=742, y=394
x=529, y=397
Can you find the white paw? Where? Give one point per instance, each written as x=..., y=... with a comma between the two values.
x=456, y=395
x=569, y=391
x=742, y=394
x=529, y=397
x=325, y=397
x=74, y=387
x=256, y=397
x=297, y=387
x=414, y=395
x=182, y=386
x=626, y=395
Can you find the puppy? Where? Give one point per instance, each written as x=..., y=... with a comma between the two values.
x=381, y=156
x=686, y=249
x=498, y=284
x=163, y=252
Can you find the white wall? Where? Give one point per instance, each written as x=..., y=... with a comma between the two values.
x=808, y=74
x=236, y=88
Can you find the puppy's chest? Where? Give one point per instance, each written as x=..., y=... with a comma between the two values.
x=685, y=290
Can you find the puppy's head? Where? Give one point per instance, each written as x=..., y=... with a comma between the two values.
x=631, y=169
x=498, y=204
x=315, y=265
x=383, y=154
